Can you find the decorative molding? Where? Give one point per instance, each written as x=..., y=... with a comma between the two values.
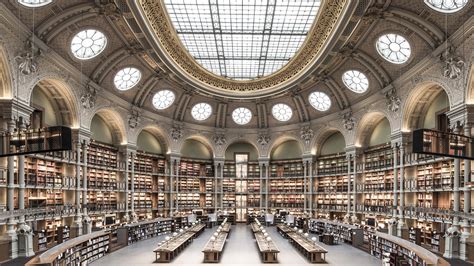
x=453, y=64
x=263, y=139
x=306, y=134
x=219, y=139
x=348, y=120
x=393, y=100
x=134, y=117
x=176, y=132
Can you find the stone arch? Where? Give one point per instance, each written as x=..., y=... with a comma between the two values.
x=62, y=95
x=321, y=136
x=284, y=138
x=418, y=101
x=160, y=134
x=237, y=140
x=200, y=138
x=366, y=126
x=115, y=122
x=470, y=86
x=6, y=84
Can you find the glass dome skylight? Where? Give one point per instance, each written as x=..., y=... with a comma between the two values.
x=88, y=43
x=320, y=101
x=34, y=3
x=201, y=111
x=127, y=78
x=163, y=99
x=282, y=112
x=242, y=39
x=242, y=115
x=446, y=6
x=356, y=81
x=394, y=48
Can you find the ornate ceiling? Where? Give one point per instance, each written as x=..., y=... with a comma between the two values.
x=140, y=35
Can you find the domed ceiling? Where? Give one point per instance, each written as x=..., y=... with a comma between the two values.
x=237, y=48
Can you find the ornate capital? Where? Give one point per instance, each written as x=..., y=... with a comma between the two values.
x=26, y=58
x=306, y=134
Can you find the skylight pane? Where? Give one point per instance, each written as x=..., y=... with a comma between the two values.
x=242, y=39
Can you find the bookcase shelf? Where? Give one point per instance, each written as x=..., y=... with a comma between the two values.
x=102, y=155
x=131, y=233
x=379, y=157
x=335, y=164
x=287, y=168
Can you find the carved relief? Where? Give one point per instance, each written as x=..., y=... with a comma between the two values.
x=453, y=64
x=134, y=117
x=306, y=134
x=176, y=132
x=263, y=139
x=26, y=59
x=89, y=97
x=393, y=101
x=219, y=139
x=348, y=120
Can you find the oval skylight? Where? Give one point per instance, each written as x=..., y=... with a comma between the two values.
x=282, y=112
x=88, y=43
x=446, y=6
x=201, y=111
x=242, y=115
x=242, y=40
x=34, y=3
x=355, y=81
x=163, y=99
x=394, y=48
x=320, y=101
x=127, y=78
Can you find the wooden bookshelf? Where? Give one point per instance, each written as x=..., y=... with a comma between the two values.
x=131, y=233
x=102, y=155
x=335, y=164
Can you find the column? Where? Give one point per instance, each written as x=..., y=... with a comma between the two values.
x=126, y=217
x=177, y=183
x=261, y=185
x=305, y=168
x=76, y=228
x=354, y=190
x=315, y=203
x=222, y=185
x=452, y=233
x=395, y=179
x=133, y=214
x=11, y=234
x=311, y=188
x=401, y=226
x=216, y=168
x=87, y=225
x=465, y=234
x=349, y=159
x=172, y=169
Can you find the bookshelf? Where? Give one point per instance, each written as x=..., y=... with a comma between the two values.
x=335, y=164
x=81, y=250
x=102, y=155
x=378, y=157
x=131, y=233
x=344, y=232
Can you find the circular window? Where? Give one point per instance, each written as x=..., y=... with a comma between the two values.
x=320, y=101
x=356, y=81
x=394, y=48
x=34, y=3
x=446, y=6
x=201, y=111
x=127, y=78
x=241, y=115
x=282, y=112
x=163, y=99
x=88, y=44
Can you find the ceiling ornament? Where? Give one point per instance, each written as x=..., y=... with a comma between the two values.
x=176, y=132
x=26, y=58
x=89, y=97
x=109, y=9
x=219, y=139
x=263, y=139
x=306, y=134
x=154, y=12
x=134, y=117
x=348, y=120
x=393, y=100
x=454, y=64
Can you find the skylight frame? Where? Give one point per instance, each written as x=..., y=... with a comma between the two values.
x=34, y=3
x=121, y=80
x=282, y=112
x=224, y=45
x=355, y=81
x=163, y=99
x=98, y=45
x=394, y=48
x=320, y=101
x=201, y=111
x=455, y=5
x=242, y=115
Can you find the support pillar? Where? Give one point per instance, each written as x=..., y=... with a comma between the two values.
x=354, y=218
x=11, y=234
x=133, y=214
x=348, y=207
x=24, y=232
x=465, y=232
x=76, y=227
x=305, y=180
x=86, y=220
x=401, y=227
x=395, y=181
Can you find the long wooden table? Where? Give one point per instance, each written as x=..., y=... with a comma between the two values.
x=197, y=229
x=284, y=230
x=213, y=249
x=171, y=248
x=268, y=249
x=312, y=251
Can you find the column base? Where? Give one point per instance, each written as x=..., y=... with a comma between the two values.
x=402, y=228
x=451, y=249
x=392, y=226
x=126, y=218
x=134, y=217
x=76, y=227
x=25, y=240
x=86, y=225
x=465, y=235
x=11, y=236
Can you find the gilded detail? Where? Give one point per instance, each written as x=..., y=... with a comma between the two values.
x=155, y=12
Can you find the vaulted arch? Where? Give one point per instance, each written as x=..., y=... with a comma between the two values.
x=114, y=122
x=366, y=126
x=197, y=147
x=322, y=136
x=159, y=134
x=5, y=77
